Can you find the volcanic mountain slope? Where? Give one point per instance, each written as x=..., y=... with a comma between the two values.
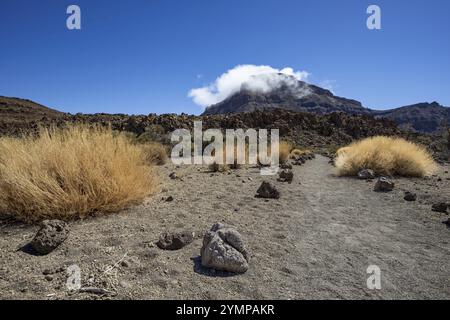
x=302, y=97
x=422, y=117
x=20, y=115
x=21, y=109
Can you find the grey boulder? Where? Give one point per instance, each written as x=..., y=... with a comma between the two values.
x=223, y=249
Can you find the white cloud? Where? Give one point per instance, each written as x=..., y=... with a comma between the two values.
x=249, y=77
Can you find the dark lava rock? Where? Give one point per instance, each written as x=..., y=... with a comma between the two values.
x=410, y=196
x=286, y=176
x=174, y=241
x=447, y=223
x=286, y=166
x=366, y=174
x=384, y=184
x=173, y=176
x=51, y=234
x=440, y=207
x=267, y=190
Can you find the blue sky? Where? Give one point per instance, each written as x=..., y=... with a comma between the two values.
x=143, y=56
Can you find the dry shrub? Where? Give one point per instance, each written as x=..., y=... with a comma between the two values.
x=285, y=151
x=296, y=153
x=386, y=156
x=72, y=172
x=215, y=167
x=236, y=165
x=155, y=153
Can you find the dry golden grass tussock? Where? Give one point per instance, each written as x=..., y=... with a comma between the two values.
x=216, y=167
x=296, y=153
x=385, y=155
x=285, y=149
x=72, y=172
x=155, y=153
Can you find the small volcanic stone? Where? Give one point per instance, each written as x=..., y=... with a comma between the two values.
x=51, y=234
x=268, y=191
x=286, y=176
x=410, y=196
x=440, y=207
x=174, y=241
x=384, y=184
x=366, y=174
x=286, y=166
x=173, y=175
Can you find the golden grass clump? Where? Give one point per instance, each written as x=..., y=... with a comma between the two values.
x=72, y=172
x=216, y=167
x=296, y=153
x=155, y=153
x=386, y=156
x=285, y=149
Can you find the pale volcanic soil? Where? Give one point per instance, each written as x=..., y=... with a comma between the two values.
x=315, y=242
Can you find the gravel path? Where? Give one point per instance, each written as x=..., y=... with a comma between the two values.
x=315, y=242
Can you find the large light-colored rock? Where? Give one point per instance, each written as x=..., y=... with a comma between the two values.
x=223, y=249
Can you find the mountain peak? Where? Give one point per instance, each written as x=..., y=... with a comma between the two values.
x=284, y=92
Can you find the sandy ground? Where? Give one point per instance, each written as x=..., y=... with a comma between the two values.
x=315, y=242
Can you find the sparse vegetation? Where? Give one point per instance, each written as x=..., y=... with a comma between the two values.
x=296, y=153
x=155, y=153
x=385, y=155
x=154, y=133
x=285, y=151
x=215, y=167
x=72, y=172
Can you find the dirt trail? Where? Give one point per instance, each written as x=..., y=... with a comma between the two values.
x=316, y=241
x=344, y=227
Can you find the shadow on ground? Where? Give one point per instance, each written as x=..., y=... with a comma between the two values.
x=198, y=268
